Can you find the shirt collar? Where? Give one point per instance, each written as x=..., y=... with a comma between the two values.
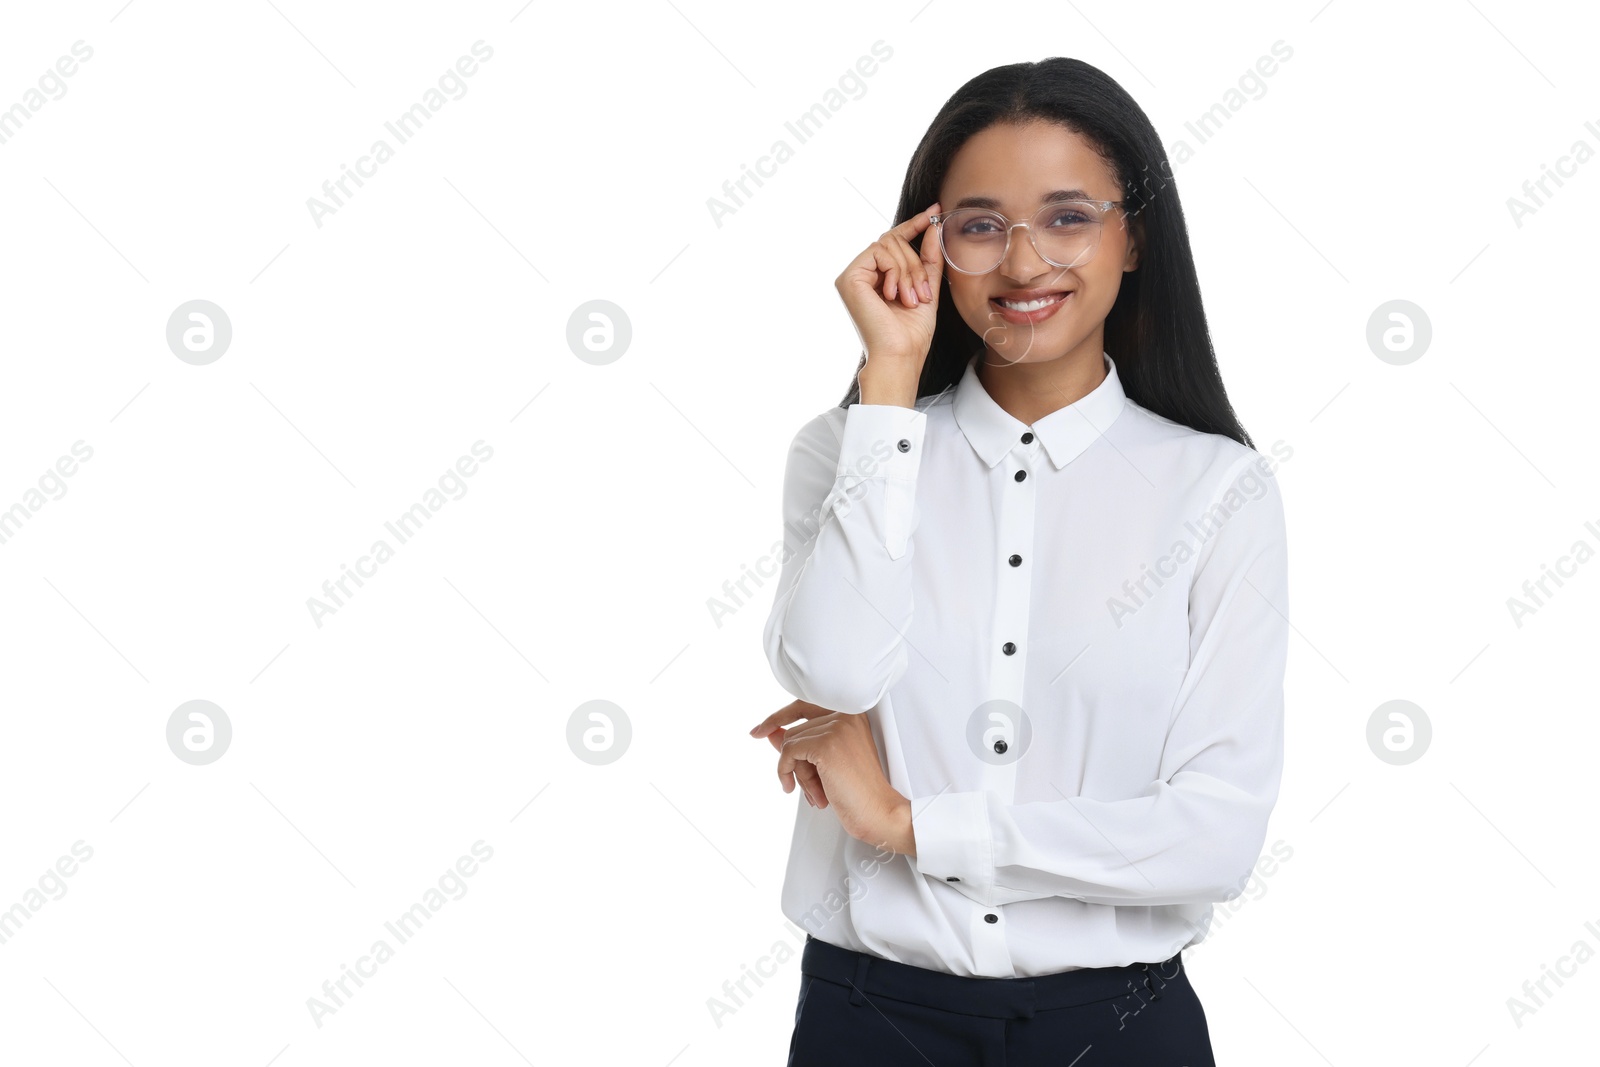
x=1064, y=433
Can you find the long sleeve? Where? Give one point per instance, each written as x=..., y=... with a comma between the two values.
x=836, y=633
x=1193, y=835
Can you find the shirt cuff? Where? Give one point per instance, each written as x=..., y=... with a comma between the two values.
x=883, y=443
x=953, y=844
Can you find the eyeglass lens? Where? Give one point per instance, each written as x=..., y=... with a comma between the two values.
x=1065, y=234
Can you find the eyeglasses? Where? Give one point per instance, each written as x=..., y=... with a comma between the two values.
x=1065, y=233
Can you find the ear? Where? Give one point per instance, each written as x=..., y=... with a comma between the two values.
x=1130, y=259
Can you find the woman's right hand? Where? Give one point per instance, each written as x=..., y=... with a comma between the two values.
x=892, y=292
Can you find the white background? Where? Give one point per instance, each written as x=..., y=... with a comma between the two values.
x=430, y=312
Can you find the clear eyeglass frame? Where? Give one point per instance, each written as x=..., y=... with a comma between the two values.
x=1030, y=225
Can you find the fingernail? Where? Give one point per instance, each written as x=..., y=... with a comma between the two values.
x=927, y=291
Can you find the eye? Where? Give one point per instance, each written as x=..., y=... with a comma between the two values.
x=1068, y=217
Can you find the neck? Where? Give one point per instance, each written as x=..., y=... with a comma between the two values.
x=1030, y=391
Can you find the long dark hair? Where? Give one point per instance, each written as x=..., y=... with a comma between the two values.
x=1156, y=330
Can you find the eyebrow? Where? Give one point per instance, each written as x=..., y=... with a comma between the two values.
x=992, y=204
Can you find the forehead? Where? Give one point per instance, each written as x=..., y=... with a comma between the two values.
x=1017, y=167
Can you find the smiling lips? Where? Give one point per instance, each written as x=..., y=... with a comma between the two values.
x=1028, y=307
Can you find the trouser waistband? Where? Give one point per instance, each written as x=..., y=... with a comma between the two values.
x=993, y=998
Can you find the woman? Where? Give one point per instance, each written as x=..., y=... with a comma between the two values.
x=1034, y=610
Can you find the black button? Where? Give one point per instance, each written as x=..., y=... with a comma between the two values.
x=1000, y=746
x=1016, y=560
x=1021, y=475
x=1027, y=438
x=952, y=878
x=991, y=918
x=1008, y=648
x=905, y=445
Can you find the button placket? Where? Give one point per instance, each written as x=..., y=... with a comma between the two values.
x=989, y=949
x=1013, y=592
x=1015, y=510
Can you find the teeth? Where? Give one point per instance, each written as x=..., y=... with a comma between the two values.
x=1032, y=305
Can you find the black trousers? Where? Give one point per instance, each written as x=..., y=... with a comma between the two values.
x=858, y=1010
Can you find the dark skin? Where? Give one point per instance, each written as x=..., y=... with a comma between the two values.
x=892, y=291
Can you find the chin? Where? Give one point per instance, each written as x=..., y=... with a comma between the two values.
x=1016, y=345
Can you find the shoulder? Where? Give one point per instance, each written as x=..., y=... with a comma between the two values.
x=1207, y=466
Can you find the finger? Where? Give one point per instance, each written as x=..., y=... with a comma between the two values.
x=794, y=762
x=889, y=264
x=795, y=709
x=779, y=736
x=817, y=793
x=919, y=274
x=870, y=271
x=906, y=269
x=796, y=734
x=922, y=283
x=811, y=782
x=789, y=757
x=932, y=256
x=918, y=260
x=916, y=223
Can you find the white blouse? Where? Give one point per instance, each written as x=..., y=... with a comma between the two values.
x=1070, y=639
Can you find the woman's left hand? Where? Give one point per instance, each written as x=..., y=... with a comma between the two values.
x=836, y=762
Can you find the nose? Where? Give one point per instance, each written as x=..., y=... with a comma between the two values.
x=1022, y=262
